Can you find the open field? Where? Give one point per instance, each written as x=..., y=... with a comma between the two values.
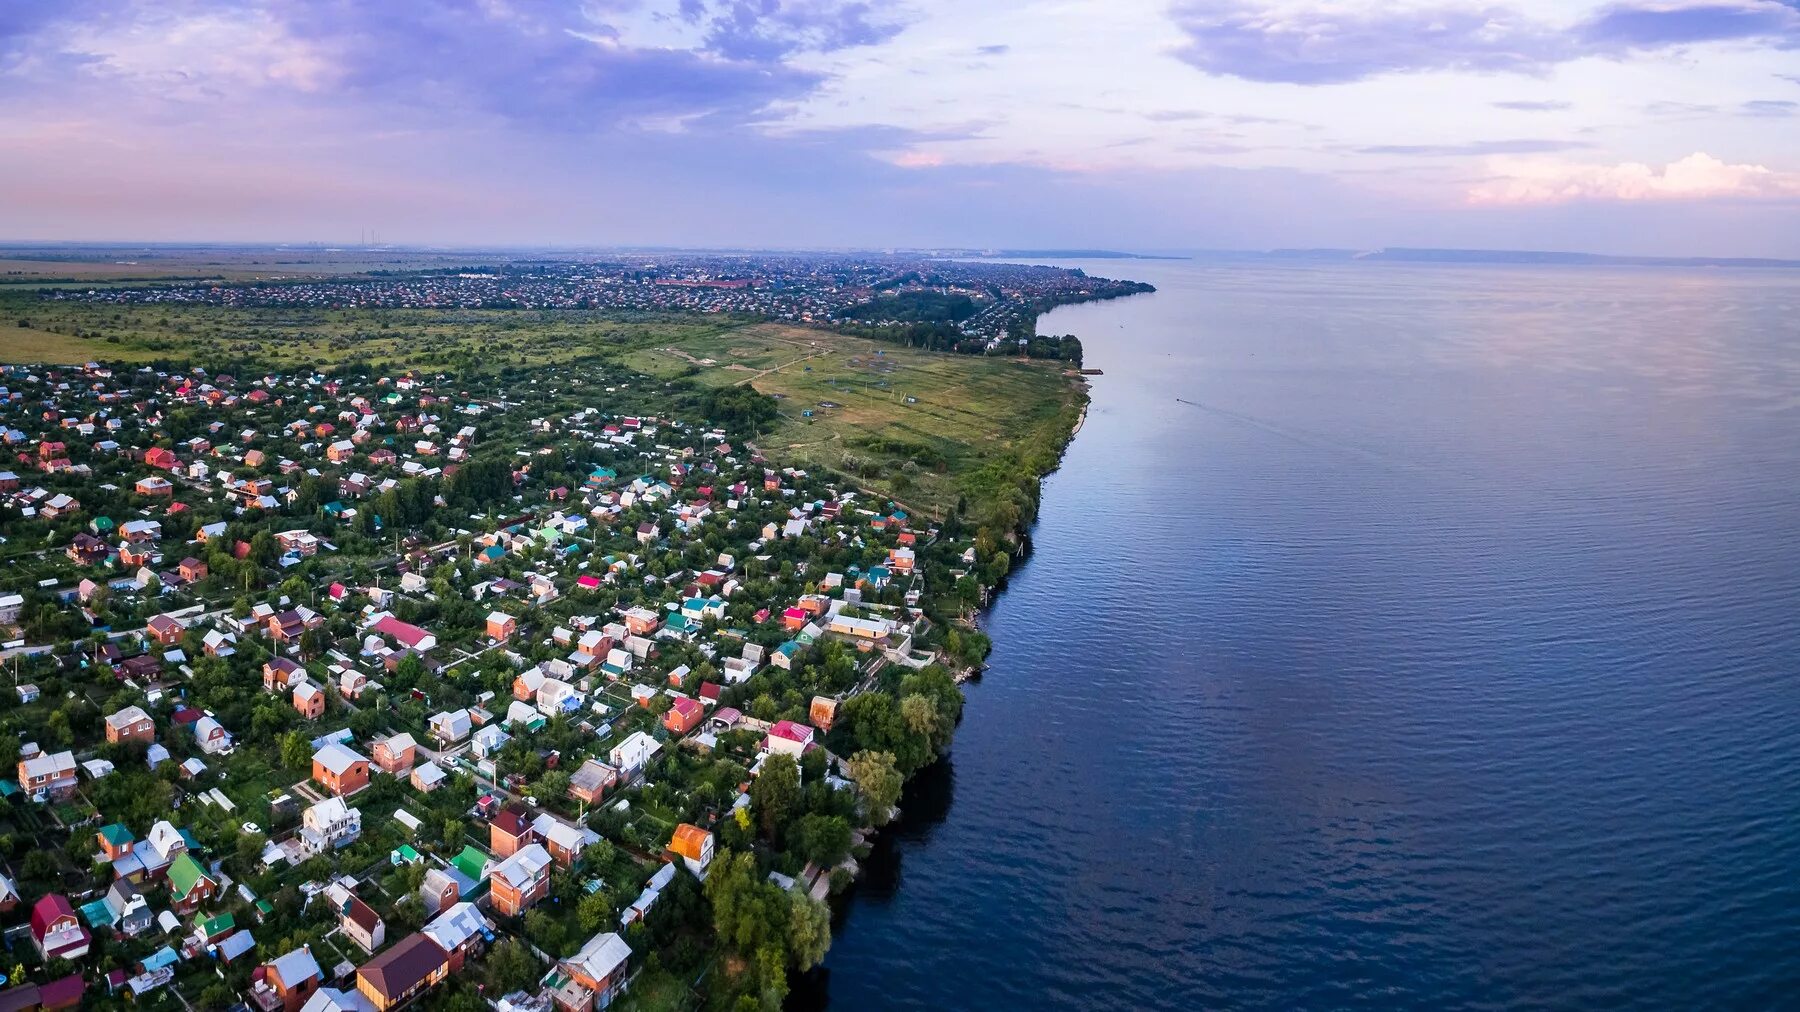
x=386, y=338
x=876, y=406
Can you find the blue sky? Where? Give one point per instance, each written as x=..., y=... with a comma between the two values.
x=1638, y=126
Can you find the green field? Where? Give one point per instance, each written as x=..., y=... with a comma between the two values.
x=922, y=427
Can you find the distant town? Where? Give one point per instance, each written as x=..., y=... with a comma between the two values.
x=985, y=301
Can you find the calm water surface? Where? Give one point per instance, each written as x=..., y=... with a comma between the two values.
x=1444, y=653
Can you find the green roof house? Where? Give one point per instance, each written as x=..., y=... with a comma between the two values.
x=189, y=884
x=471, y=862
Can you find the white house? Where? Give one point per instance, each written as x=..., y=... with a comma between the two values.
x=630, y=755
x=450, y=726
x=488, y=741
x=213, y=738
x=330, y=824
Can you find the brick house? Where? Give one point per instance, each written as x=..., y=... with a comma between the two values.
x=591, y=782
x=286, y=983
x=396, y=754
x=501, y=626
x=684, y=715
x=130, y=724
x=520, y=881
x=340, y=770
x=509, y=831
x=309, y=700
x=165, y=629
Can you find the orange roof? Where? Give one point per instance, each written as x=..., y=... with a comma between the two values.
x=688, y=840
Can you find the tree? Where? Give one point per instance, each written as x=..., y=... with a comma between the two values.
x=880, y=781
x=510, y=967
x=775, y=794
x=544, y=932
x=821, y=839
x=594, y=911
x=296, y=751
x=920, y=714
x=808, y=931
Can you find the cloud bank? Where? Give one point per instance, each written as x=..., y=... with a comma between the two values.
x=1699, y=176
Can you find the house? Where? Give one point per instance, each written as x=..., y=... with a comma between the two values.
x=449, y=727
x=440, y=891
x=557, y=696
x=396, y=754
x=521, y=880
x=189, y=884
x=630, y=755
x=165, y=629
x=55, y=929
x=683, y=715
x=509, y=831
x=461, y=931
x=130, y=724
x=51, y=774
x=62, y=993
x=564, y=842
x=309, y=701
x=788, y=738
x=86, y=550
x=693, y=845
x=488, y=742
x=218, y=643
x=130, y=912
x=155, y=485
x=329, y=825
x=288, y=982
x=211, y=736
x=641, y=621
x=359, y=922
x=281, y=674
x=501, y=626
x=115, y=841
x=340, y=770
x=405, y=633
x=527, y=683
x=192, y=570
x=595, y=975
x=427, y=777
x=413, y=965
x=152, y=856
x=591, y=782
x=822, y=712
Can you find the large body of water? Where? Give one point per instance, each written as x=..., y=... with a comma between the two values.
x=1444, y=653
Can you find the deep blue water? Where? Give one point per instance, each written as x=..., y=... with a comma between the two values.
x=1445, y=655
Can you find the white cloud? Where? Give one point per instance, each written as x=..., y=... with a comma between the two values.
x=1699, y=176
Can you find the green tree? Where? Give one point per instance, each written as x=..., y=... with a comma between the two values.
x=822, y=839
x=775, y=794
x=594, y=911
x=510, y=966
x=880, y=781
x=296, y=751
x=808, y=931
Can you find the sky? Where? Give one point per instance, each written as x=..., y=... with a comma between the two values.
x=1629, y=126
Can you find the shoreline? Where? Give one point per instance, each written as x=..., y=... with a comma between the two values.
x=1020, y=535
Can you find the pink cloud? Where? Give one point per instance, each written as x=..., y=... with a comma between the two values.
x=1699, y=176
